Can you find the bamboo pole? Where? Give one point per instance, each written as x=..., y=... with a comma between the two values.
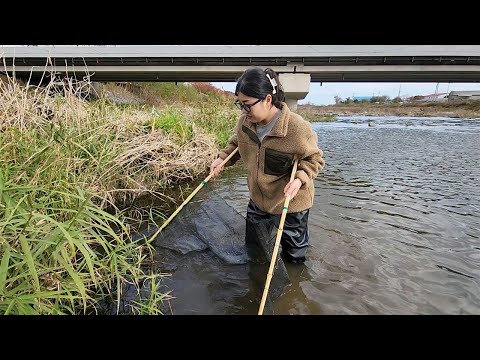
x=202, y=184
x=277, y=244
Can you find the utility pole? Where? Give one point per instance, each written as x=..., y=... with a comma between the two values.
x=436, y=92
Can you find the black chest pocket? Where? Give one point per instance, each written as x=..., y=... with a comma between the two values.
x=277, y=162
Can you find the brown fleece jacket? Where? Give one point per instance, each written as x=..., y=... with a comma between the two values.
x=270, y=163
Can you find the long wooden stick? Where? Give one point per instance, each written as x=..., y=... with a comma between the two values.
x=277, y=244
x=204, y=181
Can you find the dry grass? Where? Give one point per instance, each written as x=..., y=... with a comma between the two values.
x=154, y=159
x=114, y=151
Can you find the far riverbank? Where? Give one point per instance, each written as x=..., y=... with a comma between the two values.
x=465, y=110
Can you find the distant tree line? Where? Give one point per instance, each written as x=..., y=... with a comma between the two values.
x=384, y=99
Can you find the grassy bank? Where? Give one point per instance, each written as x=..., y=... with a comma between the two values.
x=71, y=174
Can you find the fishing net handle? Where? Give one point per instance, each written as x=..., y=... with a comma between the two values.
x=277, y=243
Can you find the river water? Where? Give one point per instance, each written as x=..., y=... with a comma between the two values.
x=395, y=226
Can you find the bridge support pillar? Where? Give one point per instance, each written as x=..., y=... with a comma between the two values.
x=295, y=86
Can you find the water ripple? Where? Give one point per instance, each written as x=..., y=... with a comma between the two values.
x=394, y=228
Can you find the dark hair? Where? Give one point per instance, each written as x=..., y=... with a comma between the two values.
x=255, y=83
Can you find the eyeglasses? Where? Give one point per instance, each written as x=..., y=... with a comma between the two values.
x=245, y=107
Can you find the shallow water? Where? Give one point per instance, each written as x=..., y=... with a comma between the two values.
x=395, y=226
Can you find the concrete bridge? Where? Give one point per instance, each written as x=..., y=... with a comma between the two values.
x=298, y=65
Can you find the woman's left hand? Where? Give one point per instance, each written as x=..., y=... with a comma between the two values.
x=291, y=189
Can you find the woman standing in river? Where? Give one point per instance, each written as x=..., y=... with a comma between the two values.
x=270, y=138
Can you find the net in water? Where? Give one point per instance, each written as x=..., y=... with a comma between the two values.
x=211, y=228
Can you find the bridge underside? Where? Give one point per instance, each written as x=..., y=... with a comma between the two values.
x=385, y=73
x=244, y=61
x=225, y=69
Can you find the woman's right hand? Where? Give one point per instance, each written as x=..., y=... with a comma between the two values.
x=215, y=167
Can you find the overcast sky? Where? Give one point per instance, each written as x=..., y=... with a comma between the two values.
x=325, y=94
